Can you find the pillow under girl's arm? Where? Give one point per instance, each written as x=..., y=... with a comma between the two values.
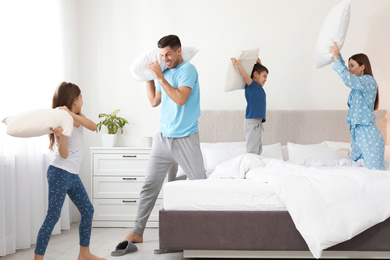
x=248, y=80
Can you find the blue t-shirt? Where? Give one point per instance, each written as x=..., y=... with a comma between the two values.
x=256, y=101
x=180, y=121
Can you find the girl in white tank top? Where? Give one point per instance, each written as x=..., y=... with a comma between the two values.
x=62, y=174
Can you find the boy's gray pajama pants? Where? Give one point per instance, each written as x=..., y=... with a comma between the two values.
x=253, y=130
x=184, y=151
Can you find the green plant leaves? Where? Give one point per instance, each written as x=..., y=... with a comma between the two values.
x=113, y=114
x=112, y=122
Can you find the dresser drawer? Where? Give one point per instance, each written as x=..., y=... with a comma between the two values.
x=125, y=164
x=121, y=209
x=117, y=187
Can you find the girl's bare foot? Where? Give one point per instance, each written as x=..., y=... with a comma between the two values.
x=85, y=254
x=38, y=257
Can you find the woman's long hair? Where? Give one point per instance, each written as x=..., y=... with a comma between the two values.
x=362, y=59
x=64, y=95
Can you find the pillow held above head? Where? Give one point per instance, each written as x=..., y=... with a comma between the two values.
x=38, y=122
x=234, y=79
x=139, y=68
x=334, y=29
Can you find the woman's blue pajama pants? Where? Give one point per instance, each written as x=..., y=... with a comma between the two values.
x=367, y=143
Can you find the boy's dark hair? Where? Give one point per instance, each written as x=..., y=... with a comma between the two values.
x=170, y=40
x=259, y=68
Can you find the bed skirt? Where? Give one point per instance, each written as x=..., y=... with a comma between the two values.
x=251, y=230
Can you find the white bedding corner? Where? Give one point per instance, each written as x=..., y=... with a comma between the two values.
x=328, y=205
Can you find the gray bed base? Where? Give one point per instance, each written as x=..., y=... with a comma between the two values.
x=257, y=234
x=266, y=234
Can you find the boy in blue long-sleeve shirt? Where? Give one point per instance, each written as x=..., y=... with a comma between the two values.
x=256, y=105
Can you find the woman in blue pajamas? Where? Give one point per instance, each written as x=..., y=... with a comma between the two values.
x=62, y=174
x=366, y=140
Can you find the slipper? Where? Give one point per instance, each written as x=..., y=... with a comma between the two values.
x=123, y=248
x=165, y=251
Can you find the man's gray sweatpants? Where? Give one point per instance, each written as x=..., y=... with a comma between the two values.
x=184, y=151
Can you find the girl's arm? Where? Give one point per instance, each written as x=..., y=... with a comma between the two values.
x=87, y=123
x=248, y=80
x=61, y=141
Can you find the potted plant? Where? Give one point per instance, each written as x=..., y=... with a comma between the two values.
x=113, y=123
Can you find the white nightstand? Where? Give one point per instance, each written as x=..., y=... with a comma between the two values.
x=118, y=174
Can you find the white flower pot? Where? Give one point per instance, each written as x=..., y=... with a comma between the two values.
x=108, y=140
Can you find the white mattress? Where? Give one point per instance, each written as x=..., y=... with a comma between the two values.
x=220, y=194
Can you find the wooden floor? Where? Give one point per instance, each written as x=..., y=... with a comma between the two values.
x=103, y=240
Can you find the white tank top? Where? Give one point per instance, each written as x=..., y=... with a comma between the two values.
x=75, y=152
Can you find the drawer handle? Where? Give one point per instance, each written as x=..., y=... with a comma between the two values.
x=129, y=179
x=129, y=156
x=129, y=201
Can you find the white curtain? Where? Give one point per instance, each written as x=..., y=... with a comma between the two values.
x=32, y=64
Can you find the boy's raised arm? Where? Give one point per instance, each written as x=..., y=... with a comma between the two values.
x=248, y=80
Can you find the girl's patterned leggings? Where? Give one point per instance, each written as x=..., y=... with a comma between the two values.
x=61, y=183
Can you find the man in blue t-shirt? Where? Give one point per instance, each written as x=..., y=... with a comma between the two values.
x=177, y=140
x=256, y=105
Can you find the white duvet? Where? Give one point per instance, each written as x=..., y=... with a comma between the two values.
x=327, y=204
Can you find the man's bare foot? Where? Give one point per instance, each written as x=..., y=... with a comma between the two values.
x=134, y=238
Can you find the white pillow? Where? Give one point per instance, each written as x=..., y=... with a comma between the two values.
x=285, y=152
x=272, y=151
x=234, y=79
x=334, y=29
x=139, y=68
x=299, y=153
x=339, y=145
x=387, y=157
x=38, y=122
x=215, y=153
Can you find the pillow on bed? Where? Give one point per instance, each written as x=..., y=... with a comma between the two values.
x=334, y=29
x=38, y=122
x=339, y=145
x=272, y=151
x=234, y=79
x=299, y=153
x=387, y=157
x=285, y=153
x=215, y=153
x=139, y=68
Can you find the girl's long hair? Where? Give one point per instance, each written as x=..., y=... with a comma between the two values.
x=362, y=59
x=64, y=95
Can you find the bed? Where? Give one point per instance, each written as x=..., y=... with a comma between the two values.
x=261, y=231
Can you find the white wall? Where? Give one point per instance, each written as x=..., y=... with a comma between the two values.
x=110, y=34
